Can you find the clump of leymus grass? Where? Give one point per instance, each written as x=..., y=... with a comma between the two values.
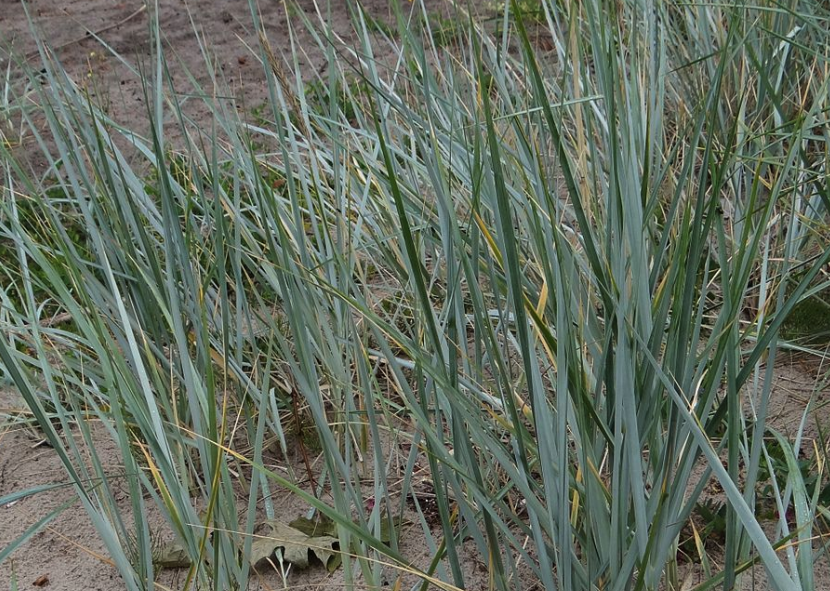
x=593, y=251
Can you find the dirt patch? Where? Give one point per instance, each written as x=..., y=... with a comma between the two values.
x=68, y=553
x=198, y=37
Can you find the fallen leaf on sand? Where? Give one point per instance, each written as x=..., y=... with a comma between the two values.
x=173, y=555
x=298, y=541
x=326, y=527
x=297, y=546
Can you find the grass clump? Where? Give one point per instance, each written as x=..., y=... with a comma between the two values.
x=556, y=289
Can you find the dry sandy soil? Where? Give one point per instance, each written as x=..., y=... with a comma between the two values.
x=225, y=28
x=68, y=554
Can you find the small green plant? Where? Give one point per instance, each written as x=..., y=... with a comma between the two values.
x=779, y=468
x=344, y=98
x=446, y=31
x=713, y=516
x=378, y=25
x=51, y=221
x=809, y=321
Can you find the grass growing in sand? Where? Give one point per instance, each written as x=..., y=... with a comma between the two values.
x=554, y=281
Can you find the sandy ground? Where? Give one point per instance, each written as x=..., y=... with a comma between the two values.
x=68, y=554
x=225, y=28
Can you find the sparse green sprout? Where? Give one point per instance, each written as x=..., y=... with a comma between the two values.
x=345, y=98
x=809, y=321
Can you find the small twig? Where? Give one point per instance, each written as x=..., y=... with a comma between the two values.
x=300, y=434
x=55, y=320
x=90, y=33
